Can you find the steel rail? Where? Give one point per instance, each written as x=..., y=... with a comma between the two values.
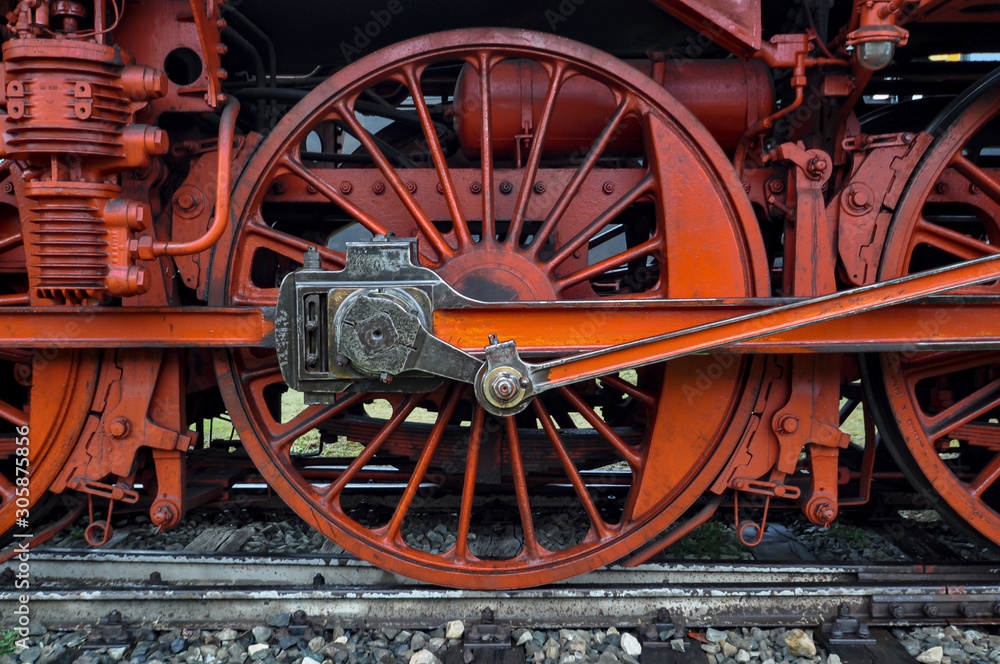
x=76, y=588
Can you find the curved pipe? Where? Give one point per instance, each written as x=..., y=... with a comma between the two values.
x=223, y=185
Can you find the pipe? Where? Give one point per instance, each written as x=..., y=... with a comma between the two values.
x=224, y=179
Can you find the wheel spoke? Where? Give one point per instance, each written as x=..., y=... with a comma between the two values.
x=13, y=415
x=6, y=490
x=535, y=155
x=598, y=524
x=964, y=410
x=987, y=477
x=283, y=244
x=628, y=388
x=332, y=493
x=489, y=232
x=531, y=547
x=573, y=187
x=469, y=483
x=599, y=268
x=977, y=176
x=440, y=161
x=392, y=531
x=426, y=226
x=610, y=214
x=631, y=457
x=334, y=196
x=310, y=418
x=952, y=242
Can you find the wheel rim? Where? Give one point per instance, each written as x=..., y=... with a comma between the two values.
x=941, y=408
x=562, y=437
x=58, y=384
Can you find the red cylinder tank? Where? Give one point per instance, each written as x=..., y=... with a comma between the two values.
x=728, y=96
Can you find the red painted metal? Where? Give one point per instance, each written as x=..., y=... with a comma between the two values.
x=728, y=96
x=575, y=193
x=494, y=262
x=70, y=125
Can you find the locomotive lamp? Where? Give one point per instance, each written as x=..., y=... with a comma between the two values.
x=874, y=42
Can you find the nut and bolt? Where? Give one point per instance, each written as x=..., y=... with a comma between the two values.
x=896, y=610
x=505, y=387
x=411, y=187
x=506, y=187
x=187, y=201
x=539, y=187
x=279, y=188
x=858, y=199
x=119, y=427
x=788, y=424
x=608, y=188
x=346, y=187
x=312, y=359
x=941, y=188
x=775, y=185
x=825, y=512
x=973, y=189
x=378, y=188
x=440, y=188
x=930, y=610
x=311, y=189
x=476, y=187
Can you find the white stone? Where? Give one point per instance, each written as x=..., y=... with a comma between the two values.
x=833, y=659
x=424, y=657
x=258, y=650
x=743, y=657
x=611, y=630
x=116, y=653
x=631, y=645
x=309, y=660
x=931, y=655
x=527, y=636
x=341, y=639
x=454, y=630
x=715, y=635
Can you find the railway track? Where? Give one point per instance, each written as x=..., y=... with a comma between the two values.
x=70, y=588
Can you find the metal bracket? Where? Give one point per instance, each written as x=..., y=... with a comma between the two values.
x=110, y=631
x=487, y=643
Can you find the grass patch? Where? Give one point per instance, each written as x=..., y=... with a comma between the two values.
x=8, y=640
x=712, y=539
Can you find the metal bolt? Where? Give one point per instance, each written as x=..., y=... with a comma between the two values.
x=788, y=424
x=996, y=609
x=385, y=377
x=941, y=188
x=863, y=631
x=312, y=359
x=221, y=48
x=279, y=188
x=539, y=187
x=966, y=610
x=858, y=199
x=119, y=427
x=475, y=187
x=411, y=187
x=346, y=187
x=8, y=187
x=487, y=616
x=930, y=610
x=186, y=201
x=311, y=189
x=506, y=187
x=775, y=185
x=342, y=360
x=973, y=189
x=378, y=188
x=844, y=610
x=662, y=615
x=896, y=610
x=440, y=188
x=311, y=326
x=608, y=188
x=221, y=74
x=524, y=381
x=155, y=577
x=825, y=512
x=504, y=387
